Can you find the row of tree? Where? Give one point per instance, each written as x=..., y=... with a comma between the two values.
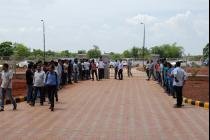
x=20, y=51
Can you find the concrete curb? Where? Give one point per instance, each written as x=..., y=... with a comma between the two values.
x=197, y=103
x=17, y=99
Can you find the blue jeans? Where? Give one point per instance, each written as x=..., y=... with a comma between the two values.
x=9, y=94
x=38, y=90
x=29, y=93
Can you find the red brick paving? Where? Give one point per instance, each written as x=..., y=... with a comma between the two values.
x=133, y=109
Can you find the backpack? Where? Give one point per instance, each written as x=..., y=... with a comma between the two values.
x=56, y=75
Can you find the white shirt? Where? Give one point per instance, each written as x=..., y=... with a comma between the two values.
x=87, y=65
x=39, y=78
x=101, y=65
x=6, y=77
x=180, y=75
x=147, y=66
x=75, y=68
x=59, y=69
x=116, y=64
x=120, y=66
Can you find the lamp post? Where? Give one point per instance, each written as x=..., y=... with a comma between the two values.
x=44, y=42
x=144, y=40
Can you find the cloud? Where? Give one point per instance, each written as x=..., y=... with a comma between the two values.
x=177, y=23
x=187, y=29
x=141, y=18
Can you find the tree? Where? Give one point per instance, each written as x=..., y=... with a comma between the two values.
x=21, y=51
x=82, y=52
x=168, y=51
x=127, y=54
x=37, y=53
x=135, y=52
x=94, y=53
x=6, y=49
x=206, y=52
x=115, y=56
x=50, y=53
x=67, y=54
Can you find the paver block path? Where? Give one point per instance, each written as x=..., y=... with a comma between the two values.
x=133, y=109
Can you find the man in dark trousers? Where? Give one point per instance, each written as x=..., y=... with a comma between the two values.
x=120, y=70
x=70, y=71
x=116, y=64
x=29, y=82
x=180, y=76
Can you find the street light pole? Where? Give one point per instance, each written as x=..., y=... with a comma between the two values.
x=144, y=41
x=44, y=42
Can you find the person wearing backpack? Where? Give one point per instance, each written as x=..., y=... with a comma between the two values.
x=51, y=83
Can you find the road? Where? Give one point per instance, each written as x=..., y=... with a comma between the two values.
x=133, y=109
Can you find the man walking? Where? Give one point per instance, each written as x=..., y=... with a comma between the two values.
x=180, y=76
x=29, y=82
x=6, y=85
x=51, y=83
x=39, y=77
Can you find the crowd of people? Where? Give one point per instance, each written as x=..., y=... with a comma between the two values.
x=171, y=77
x=119, y=68
x=45, y=79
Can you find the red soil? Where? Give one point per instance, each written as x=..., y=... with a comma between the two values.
x=19, y=88
x=202, y=70
x=197, y=89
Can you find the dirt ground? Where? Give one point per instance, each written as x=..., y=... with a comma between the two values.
x=19, y=88
x=202, y=70
x=197, y=89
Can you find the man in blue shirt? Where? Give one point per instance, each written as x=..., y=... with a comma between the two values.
x=51, y=83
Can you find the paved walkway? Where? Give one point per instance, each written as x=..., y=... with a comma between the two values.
x=133, y=109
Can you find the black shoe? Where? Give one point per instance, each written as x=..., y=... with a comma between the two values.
x=15, y=107
x=1, y=110
x=32, y=104
x=51, y=108
x=177, y=106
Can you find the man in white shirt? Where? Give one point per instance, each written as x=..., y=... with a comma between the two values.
x=116, y=64
x=101, y=67
x=39, y=78
x=120, y=70
x=87, y=69
x=180, y=76
x=6, y=85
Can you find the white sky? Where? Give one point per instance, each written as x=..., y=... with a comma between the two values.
x=113, y=25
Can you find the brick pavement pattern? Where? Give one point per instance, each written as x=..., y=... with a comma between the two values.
x=133, y=109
